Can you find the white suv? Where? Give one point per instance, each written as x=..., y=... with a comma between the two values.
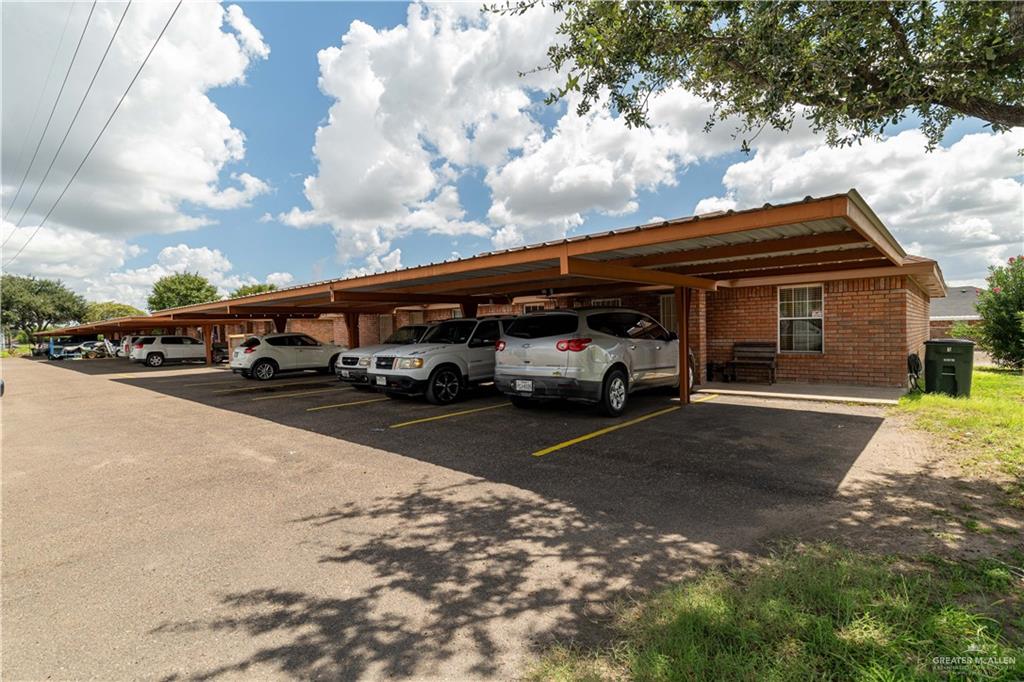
x=354, y=362
x=597, y=355
x=263, y=357
x=156, y=350
x=450, y=357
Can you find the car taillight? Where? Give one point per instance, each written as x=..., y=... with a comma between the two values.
x=573, y=345
x=250, y=349
x=500, y=345
x=138, y=346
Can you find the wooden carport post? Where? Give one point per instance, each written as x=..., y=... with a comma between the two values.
x=352, y=329
x=208, y=342
x=280, y=323
x=682, y=296
x=469, y=308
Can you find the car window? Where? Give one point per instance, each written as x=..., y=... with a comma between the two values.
x=647, y=328
x=486, y=334
x=615, y=324
x=409, y=334
x=280, y=341
x=188, y=340
x=304, y=340
x=250, y=342
x=147, y=340
x=454, y=331
x=540, y=326
x=171, y=340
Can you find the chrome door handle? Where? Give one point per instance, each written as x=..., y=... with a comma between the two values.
x=657, y=348
x=632, y=347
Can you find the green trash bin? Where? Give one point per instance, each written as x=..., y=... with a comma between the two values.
x=948, y=364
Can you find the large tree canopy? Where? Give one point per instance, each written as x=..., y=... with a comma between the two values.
x=108, y=310
x=250, y=289
x=181, y=288
x=852, y=68
x=30, y=305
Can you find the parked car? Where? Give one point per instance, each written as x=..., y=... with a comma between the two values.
x=157, y=350
x=597, y=355
x=263, y=357
x=452, y=356
x=125, y=348
x=40, y=349
x=352, y=366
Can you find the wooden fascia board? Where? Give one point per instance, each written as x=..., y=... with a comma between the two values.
x=834, y=257
x=861, y=218
x=622, y=273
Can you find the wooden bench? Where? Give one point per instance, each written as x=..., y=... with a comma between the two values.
x=759, y=355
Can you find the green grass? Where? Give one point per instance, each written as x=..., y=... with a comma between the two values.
x=16, y=351
x=988, y=426
x=818, y=613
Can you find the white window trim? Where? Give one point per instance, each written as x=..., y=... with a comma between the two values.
x=537, y=308
x=615, y=302
x=779, y=318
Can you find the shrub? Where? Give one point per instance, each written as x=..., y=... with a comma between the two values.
x=1000, y=307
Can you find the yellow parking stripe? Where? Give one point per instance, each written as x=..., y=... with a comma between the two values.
x=222, y=382
x=607, y=429
x=264, y=385
x=354, y=402
x=296, y=394
x=447, y=415
x=704, y=399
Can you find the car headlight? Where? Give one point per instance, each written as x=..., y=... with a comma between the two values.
x=410, y=363
x=364, y=361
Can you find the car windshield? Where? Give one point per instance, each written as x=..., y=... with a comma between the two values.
x=455, y=331
x=251, y=342
x=405, y=335
x=539, y=326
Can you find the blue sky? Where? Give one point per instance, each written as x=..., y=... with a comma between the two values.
x=453, y=153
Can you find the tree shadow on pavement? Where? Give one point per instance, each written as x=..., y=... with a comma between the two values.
x=458, y=571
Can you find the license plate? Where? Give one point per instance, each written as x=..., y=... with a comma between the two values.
x=382, y=381
x=345, y=373
x=524, y=385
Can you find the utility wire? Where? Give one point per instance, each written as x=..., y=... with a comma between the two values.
x=42, y=91
x=71, y=125
x=52, y=109
x=98, y=136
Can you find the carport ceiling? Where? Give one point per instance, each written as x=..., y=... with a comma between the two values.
x=143, y=324
x=832, y=237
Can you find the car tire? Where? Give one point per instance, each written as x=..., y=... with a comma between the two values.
x=331, y=365
x=522, y=402
x=263, y=370
x=614, y=393
x=444, y=385
x=155, y=359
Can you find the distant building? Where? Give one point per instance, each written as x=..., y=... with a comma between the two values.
x=960, y=305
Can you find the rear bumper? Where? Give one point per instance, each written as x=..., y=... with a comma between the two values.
x=397, y=383
x=352, y=375
x=550, y=387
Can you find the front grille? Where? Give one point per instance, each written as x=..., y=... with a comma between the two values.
x=385, y=362
x=350, y=361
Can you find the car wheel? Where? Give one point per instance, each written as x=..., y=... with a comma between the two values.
x=614, y=393
x=155, y=359
x=444, y=386
x=523, y=402
x=331, y=364
x=263, y=370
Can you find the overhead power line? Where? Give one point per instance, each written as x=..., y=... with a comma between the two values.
x=81, y=103
x=98, y=136
x=52, y=109
x=39, y=99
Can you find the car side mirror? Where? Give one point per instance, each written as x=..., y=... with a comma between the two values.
x=672, y=336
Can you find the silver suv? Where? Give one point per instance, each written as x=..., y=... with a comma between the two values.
x=597, y=355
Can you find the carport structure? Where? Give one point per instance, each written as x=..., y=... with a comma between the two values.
x=823, y=239
x=123, y=326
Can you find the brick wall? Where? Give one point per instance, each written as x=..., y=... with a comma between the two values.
x=865, y=329
x=918, y=309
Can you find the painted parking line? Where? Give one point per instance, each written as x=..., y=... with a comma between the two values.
x=297, y=394
x=263, y=386
x=349, y=404
x=447, y=415
x=614, y=427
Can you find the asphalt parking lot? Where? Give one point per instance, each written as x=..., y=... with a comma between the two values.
x=187, y=523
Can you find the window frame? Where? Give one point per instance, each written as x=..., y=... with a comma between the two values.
x=779, y=318
x=531, y=308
